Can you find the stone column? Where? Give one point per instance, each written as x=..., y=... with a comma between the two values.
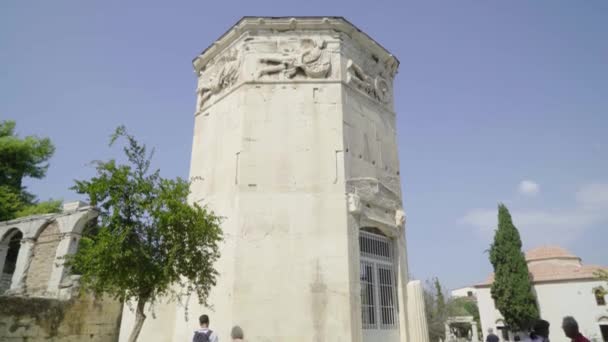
x=24, y=260
x=3, y=251
x=418, y=329
x=474, y=331
x=403, y=290
x=4, y=281
x=67, y=246
x=447, y=332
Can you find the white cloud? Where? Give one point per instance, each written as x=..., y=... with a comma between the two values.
x=559, y=226
x=528, y=187
x=483, y=219
x=593, y=196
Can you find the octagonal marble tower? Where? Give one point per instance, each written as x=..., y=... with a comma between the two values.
x=295, y=145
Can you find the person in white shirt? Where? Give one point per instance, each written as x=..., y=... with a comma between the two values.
x=204, y=334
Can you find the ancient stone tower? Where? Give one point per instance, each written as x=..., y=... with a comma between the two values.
x=295, y=145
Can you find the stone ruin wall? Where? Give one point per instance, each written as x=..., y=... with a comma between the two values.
x=42, y=319
x=5, y=281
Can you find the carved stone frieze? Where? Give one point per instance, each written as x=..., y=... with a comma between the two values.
x=390, y=67
x=226, y=73
x=374, y=204
x=311, y=60
x=371, y=190
x=354, y=203
x=376, y=86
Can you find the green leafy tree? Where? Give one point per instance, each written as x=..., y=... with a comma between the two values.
x=439, y=296
x=50, y=206
x=464, y=306
x=20, y=158
x=10, y=202
x=603, y=275
x=149, y=242
x=512, y=288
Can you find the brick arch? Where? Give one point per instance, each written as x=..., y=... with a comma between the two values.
x=43, y=258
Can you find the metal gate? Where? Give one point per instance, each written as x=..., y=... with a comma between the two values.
x=378, y=288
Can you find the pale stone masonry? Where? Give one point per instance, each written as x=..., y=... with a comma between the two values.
x=295, y=145
x=85, y=318
x=43, y=257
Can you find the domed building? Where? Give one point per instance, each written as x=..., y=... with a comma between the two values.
x=563, y=286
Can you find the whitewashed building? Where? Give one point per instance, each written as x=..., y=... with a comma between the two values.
x=563, y=286
x=467, y=291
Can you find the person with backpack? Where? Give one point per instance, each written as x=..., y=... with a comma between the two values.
x=491, y=337
x=204, y=334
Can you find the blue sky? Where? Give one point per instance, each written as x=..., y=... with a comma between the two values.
x=489, y=94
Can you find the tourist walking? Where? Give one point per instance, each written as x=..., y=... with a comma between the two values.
x=570, y=327
x=491, y=337
x=204, y=334
x=237, y=334
x=540, y=332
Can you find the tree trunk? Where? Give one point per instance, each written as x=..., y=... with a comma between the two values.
x=140, y=317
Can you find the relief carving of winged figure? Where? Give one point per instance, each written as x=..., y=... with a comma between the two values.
x=313, y=61
x=225, y=77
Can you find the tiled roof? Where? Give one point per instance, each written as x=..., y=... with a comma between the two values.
x=548, y=252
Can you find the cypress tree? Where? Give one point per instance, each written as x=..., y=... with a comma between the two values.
x=512, y=287
x=439, y=297
x=435, y=309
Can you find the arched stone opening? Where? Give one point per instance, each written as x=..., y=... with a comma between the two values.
x=9, y=251
x=461, y=328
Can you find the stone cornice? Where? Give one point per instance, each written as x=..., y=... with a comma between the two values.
x=304, y=81
x=46, y=217
x=285, y=24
